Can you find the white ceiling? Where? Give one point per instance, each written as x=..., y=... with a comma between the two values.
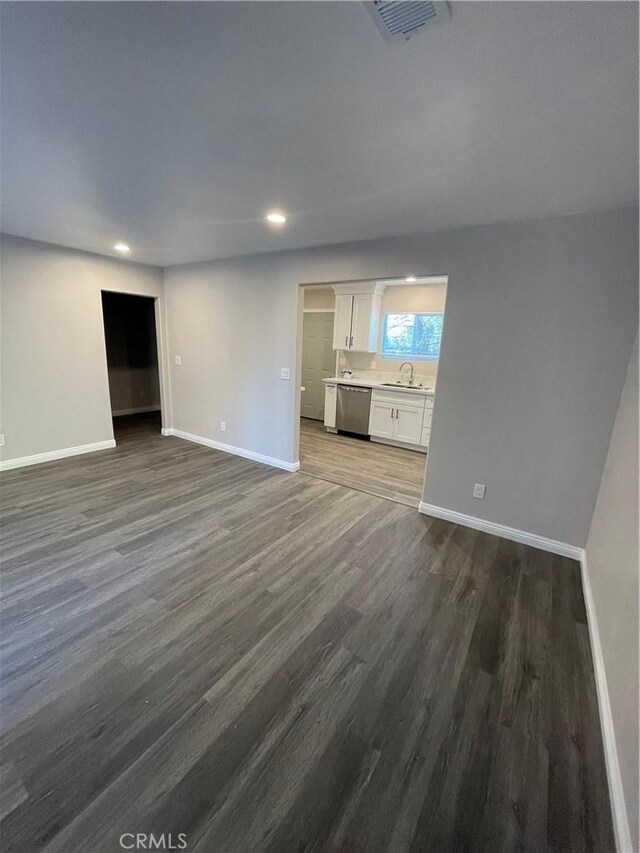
x=176, y=126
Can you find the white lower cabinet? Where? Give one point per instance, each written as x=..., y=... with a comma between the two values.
x=330, y=404
x=426, y=423
x=409, y=424
x=381, y=420
x=396, y=416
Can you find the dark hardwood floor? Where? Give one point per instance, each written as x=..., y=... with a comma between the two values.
x=195, y=643
x=378, y=469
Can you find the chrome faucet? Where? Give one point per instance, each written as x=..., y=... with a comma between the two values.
x=404, y=363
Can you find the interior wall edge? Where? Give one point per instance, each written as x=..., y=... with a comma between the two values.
x=621, y=824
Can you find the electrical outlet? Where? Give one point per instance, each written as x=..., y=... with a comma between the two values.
x=478, y=491
x=223, y=426
x=177, y=360
x=1, y=440
x=285, y=373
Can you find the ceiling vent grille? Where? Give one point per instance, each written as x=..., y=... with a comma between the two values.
x=401, y=19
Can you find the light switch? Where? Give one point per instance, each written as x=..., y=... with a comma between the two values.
x=285, y=373
x=177, y=359
x=478, y=491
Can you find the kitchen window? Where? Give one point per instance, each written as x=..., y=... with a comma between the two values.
x=411, y=336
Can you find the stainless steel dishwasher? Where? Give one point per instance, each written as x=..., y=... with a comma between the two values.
x=353, y=409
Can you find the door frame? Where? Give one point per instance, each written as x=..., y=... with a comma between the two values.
x=435, y=278
x=162, y=353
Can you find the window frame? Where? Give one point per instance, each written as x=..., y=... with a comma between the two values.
x=408, y=356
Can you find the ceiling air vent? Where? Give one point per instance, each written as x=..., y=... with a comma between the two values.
x=402, y=19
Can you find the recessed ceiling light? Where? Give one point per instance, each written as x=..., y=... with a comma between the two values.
x=410, y=279
x=122, y=247
x=276, y=217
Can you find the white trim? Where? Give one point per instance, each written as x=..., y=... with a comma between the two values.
x=236, y=451
x=512, y=533
x=616, y=790
x=138, y=411
x=318, y=310
x=166, y=431
x=52, y=455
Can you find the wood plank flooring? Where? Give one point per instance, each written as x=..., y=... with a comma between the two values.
x=195, y=643
x=378, y=469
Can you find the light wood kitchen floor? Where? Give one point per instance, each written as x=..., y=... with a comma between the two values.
x=196, y=643
x=388, y=472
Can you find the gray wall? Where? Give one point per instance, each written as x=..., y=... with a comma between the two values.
x=55, y=390
x=612, y=564
x=541, y=318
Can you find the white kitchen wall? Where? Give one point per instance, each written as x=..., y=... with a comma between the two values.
x=540, y=321
x=55, y=389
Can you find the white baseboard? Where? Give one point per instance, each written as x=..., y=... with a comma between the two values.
x=137, y=411
x=616, y=790
x=166, y=431
x=512, y=533
x=52, y=455
x=236, y=451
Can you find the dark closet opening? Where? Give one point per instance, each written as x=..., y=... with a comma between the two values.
x=132, y=361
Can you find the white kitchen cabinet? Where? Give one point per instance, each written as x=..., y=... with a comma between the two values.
x=330, y=404
x=426, y=422
x=342, y=321
x=357, y=317
x=364, y=322
x=396, y=416
x=381, y=420
x=408, y=424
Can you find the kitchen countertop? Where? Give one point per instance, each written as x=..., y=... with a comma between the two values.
x=372, y=383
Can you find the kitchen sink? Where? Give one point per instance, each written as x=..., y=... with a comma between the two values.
x=400, y=385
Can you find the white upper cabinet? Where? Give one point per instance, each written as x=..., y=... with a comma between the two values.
x=342, y=321
x=357, y=316
x=364, y=322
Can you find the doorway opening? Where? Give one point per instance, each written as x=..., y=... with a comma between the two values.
x=132, y=363
x=369, y=360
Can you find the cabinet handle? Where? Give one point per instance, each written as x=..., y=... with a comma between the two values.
x=346, y=340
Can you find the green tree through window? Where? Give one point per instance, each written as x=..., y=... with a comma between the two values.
x=415, y=336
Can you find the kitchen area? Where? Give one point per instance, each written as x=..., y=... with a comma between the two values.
x=369, y=383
